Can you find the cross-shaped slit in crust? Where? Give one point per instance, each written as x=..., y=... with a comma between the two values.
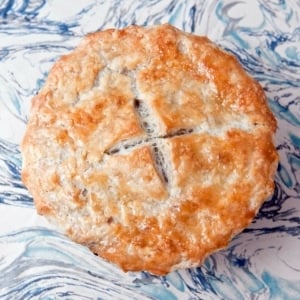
x=152, y=139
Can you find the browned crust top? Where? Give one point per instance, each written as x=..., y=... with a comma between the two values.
x=151, y=146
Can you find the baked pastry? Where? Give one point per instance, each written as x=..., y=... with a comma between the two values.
x=151, y=146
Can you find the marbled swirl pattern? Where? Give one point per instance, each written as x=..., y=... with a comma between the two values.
x=263, y=262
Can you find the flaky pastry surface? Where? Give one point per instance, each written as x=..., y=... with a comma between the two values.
x=151, y=146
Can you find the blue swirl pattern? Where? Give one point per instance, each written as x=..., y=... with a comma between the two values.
x=263, y=262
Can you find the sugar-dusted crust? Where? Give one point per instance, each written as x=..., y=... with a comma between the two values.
x=151, y=146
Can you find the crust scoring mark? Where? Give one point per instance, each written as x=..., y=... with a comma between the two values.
x=144, y=117
x=152, y=139
x=160, y=162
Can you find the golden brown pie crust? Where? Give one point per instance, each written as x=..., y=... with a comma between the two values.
x=151, y=146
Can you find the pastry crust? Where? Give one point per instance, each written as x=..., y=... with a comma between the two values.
x=151, y=146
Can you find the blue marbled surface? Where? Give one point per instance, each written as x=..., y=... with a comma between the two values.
x=263, y=262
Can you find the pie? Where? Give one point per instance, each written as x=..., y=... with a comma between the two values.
x=151, y=146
